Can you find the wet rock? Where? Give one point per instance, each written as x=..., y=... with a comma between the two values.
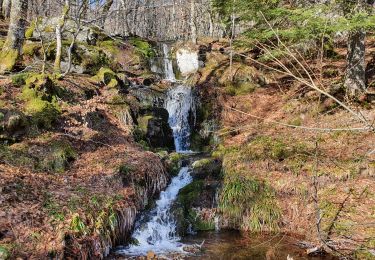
x=207, y=167
x=153, y=125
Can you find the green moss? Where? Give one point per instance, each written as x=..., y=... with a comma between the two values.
x=240, y=89
x=296, y=121
x=94, y=61
x=1, y=116
x=4, y=253
x=199, y=224
x=201, y=163
x=16, y=155
x=8, y=60
x=43, y=113
x=143, y=47
x=57, y=159
x=174, y=163
x=41, y=85
x=111, y=46
x=19, y=79
x=30, y=30
x=107, y=77
x=143, y=123
x=125, y=170
x=1, y=43
x=30, y=49
x=189, y=193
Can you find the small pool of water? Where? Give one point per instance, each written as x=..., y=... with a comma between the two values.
x=230, y=245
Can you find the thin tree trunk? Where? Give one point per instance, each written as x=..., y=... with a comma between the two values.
x=6, y=8
x=16, y=35
x=105, y=11
x=125, y=22
x=355, y=76
x=59, y=28
x=193, y=26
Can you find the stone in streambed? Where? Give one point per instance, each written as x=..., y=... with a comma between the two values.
x=206, y=167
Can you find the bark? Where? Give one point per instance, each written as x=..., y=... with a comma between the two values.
x=355, y=77
x=6, y=8
x=15, y=37
x=59, y=28
x=126, y=13
x=193, y=26
x=105, y=11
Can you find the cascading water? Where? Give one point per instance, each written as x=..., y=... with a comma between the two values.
x=180, y=105
x=159, y=234
x=168, y=64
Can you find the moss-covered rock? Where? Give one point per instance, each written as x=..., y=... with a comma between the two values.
x=174, y=163
x=110, y=79
x=13, y=124
x=207, y=167
x=153, y=127
x=19, y=79
x=30, y=30
x=56, y=157
x=43, y=113
x=8, y=60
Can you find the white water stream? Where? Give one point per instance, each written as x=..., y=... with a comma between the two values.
x=159, y=234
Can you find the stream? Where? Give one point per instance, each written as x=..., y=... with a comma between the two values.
x=156, y=230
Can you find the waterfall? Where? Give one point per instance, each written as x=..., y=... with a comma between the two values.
x=156, y=231
x=159, y=233
x=180, y=105
x=168, y=64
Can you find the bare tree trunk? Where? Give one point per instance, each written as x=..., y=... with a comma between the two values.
x=106, y=8
x=125, y=22
x=135, y=16
x=16, y=35
x=193, y=26
x=6, y=8
x=59, y=28
x=355, y=76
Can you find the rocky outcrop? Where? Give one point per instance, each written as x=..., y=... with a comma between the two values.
x=154, y=126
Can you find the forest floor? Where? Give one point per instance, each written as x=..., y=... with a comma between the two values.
x=69, y=179
x=323, y=181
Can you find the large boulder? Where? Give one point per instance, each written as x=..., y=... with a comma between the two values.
x=155, y=127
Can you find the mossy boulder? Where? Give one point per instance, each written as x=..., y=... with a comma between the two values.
x=19, y=79
x=41, y=85
x=153, y=126
x=8, y=60
x=56, y=157
x=207, y=167
x=110, y=79
x=30, y=30
x=43, y=113
x=174, y=163
x=13, y=124
x=192, y=201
